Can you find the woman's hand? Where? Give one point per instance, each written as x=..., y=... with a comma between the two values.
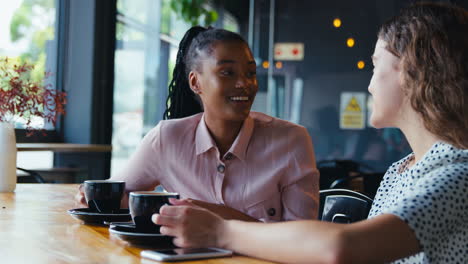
x=80, y=200
x=191, y=225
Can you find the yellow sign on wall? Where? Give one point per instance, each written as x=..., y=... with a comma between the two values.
x=352, y=110
x=353, y=105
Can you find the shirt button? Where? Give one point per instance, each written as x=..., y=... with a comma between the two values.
x=221, y=168
x=271, y=211
x=228, y=156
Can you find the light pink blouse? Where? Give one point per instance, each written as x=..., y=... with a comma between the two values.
x=268, y=173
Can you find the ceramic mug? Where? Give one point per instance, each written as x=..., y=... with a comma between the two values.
x=104, y=196
x=144, y=204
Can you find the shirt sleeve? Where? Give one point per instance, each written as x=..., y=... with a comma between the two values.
x=434, y=208
x=300, y=191
x=140, y=172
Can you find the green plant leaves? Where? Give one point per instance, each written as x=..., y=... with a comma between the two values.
x=194, y=12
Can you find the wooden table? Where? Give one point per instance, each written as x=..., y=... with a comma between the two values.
x=63, y=147
x=36, y=228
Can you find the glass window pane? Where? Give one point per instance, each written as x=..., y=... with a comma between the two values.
x=135, y=9
x=129, y=89
x=230, y=23
x=166, y=13
x=27, y=28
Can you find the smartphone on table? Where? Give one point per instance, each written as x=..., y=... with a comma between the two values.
x=177, y=254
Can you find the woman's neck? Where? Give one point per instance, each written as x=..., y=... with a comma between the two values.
x=419, y=138
x=223, y=132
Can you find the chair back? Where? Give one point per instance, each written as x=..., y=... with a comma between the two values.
x=343, y=206
x=31, y=176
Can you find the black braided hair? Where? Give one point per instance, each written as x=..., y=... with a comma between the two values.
x=181, y=101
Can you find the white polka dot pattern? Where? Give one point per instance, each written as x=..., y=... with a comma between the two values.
x=432, y=198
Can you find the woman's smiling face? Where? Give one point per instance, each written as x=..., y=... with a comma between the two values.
x=226, y=80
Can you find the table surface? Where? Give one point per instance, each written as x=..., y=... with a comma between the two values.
x=63, y=147
x=36, y=228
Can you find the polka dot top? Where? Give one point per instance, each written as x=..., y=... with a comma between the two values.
x=432, y=198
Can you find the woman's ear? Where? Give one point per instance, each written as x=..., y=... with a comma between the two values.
x=194, y=82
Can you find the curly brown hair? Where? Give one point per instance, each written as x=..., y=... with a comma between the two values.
x=431, y=39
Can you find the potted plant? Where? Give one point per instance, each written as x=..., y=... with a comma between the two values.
x=23, y=99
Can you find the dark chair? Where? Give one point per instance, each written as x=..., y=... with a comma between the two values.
x=32, y=176
x=343, y=206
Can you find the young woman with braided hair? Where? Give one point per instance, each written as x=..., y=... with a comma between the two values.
x=420, y=212
x=214, y=151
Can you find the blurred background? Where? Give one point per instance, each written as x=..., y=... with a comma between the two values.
x=114, y=58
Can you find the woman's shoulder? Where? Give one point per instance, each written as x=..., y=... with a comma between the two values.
x=442, y=155
x=180, y=124
x=262, y=120
x=178, y=128
x=443, y=163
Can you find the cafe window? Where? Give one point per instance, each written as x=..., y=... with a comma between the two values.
x=28, y=30
x=29, y=35
x=147, y=37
